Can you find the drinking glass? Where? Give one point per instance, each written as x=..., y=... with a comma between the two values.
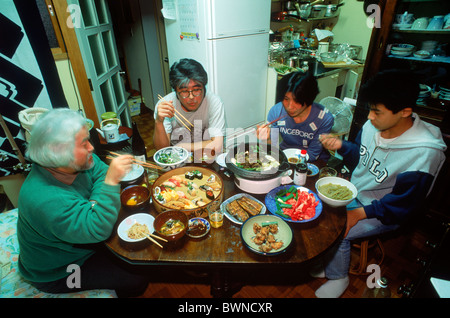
x=215, y=214
x=327, y=172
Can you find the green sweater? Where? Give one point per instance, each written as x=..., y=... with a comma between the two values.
x=55, y=217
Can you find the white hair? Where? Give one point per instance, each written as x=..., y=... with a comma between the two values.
x=52, y=139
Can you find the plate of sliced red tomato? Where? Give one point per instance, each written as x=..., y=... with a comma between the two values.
x=294, y=203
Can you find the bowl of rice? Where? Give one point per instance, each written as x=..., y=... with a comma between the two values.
x=336, y=191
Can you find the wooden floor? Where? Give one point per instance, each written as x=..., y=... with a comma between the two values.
x=399, y=265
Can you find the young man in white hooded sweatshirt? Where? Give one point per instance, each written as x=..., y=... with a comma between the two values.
x=394, y=161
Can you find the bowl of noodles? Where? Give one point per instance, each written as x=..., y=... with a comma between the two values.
x=336, y=191
x=134, y=228
x=172, y=225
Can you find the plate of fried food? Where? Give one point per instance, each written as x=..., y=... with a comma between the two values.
x=242, y=206
x=266, y=234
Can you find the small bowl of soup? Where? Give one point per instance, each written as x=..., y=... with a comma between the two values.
x=135, y=197
x=172, y=224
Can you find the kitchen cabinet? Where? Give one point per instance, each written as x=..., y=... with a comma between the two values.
x=432, y=72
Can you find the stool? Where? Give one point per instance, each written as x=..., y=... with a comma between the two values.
x=364, y=247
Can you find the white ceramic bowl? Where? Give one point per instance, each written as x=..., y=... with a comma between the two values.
x=422, y=54
x=171, y=157
x=141, y=218
x=340, y=181
x=403, y=47
x=293, y=153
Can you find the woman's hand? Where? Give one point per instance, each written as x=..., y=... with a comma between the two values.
x=118, y=168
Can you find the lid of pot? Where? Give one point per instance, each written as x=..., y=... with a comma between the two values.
x=108, y=115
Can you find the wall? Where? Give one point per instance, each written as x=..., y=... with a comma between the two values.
x=352, y=26
x=69, y=84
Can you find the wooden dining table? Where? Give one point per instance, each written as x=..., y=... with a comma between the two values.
x=222, y=249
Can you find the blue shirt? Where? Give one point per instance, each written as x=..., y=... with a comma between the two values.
x=304, y=135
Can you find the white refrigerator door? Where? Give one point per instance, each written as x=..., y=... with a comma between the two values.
x=227, y=18
x=238, y=74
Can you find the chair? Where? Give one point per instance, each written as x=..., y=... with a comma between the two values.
x=364, y=246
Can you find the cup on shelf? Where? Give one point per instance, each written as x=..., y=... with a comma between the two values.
x=404, y=18
x=436, y=23
x=429, y=46
x=420, y=24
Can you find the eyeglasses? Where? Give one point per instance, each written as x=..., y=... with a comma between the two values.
x=195, y=92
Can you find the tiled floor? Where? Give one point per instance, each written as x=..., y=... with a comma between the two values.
x=399, y=265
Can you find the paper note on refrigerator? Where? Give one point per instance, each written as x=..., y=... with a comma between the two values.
x=169, y=10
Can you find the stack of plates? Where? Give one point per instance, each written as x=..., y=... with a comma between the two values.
x=424, y=94
x=402, y=49
x=444, y=93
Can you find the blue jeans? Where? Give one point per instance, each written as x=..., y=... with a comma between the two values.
x=337, y=264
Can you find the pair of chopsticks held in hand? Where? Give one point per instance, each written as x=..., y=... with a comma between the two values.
x=268, y=124
x=179, y=114
x=141, y=163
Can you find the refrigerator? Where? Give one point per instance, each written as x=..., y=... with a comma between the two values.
x=230, y=38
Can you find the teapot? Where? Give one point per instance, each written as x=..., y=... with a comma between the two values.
x=110, y=130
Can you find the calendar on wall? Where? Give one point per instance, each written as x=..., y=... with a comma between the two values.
x=188, y=18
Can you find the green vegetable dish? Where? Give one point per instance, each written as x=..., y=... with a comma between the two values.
x=336, y=191
x=169, y=158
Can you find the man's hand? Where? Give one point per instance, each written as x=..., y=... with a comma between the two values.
x=353, y=217
x=330, y=142
x=263, y=132
x=165, y=109
x=118, y=168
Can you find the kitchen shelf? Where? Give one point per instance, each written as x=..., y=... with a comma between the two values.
x=434, y=59
x=446, y=31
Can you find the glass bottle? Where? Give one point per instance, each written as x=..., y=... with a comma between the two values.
x=137, y=145
x=383, y=291
x=301, y=170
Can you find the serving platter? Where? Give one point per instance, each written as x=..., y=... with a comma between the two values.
x=248, y=234
x=272, y=207
x=230, y=217
x=199, y=211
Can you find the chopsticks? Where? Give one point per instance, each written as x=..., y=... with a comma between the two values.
x=141, y=163
x=275, y=120
x=149, y=237
x=263, y=126
x=177, y=112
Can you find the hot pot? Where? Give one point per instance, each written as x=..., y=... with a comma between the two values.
x=258, y=182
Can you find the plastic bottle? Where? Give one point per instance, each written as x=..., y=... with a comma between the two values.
x=138, y=145
x=382, y=291
x=302, y=158
x=301, y=170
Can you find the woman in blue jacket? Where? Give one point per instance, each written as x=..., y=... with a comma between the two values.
x=395, y=159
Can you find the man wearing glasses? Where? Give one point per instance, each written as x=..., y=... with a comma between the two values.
x=190, y=117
